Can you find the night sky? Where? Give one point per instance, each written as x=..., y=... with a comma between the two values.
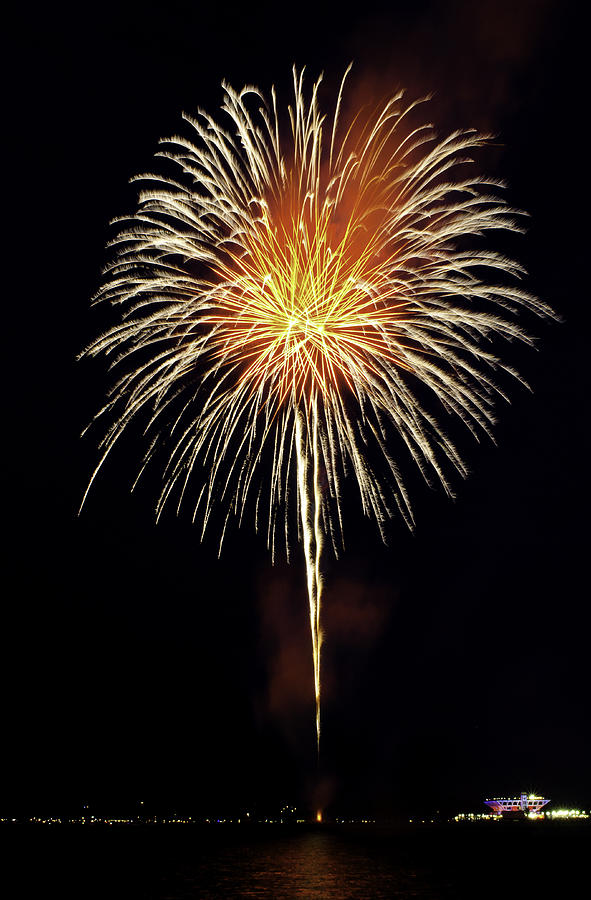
x=135, y=664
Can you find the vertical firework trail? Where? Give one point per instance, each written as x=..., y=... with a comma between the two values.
x=295, y=309
x=309, y=503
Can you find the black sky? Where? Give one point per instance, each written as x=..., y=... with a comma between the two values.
x=136, y=663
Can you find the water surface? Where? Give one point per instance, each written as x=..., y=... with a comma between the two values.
x=440, y=862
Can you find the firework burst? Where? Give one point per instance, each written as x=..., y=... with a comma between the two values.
x=293, y=298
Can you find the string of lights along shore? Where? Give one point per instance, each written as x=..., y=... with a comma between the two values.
x=308, y=297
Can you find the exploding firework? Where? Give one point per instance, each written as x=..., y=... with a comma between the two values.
x=296, y=301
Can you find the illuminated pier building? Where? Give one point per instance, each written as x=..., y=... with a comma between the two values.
x=526, y=804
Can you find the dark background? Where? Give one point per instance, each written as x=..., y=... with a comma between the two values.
x=135, y=664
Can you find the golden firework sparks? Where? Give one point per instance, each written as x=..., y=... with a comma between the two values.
x=291, y=296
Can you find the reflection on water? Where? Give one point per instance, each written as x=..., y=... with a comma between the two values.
x=309, y=865
x=442, y=862
x=439, y=863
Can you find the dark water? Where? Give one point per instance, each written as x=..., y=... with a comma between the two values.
x=483, y=860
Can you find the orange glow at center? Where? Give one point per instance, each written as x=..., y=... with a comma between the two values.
x=306, y=304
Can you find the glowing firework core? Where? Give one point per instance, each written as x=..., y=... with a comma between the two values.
x=284, y=297
x=306, y=313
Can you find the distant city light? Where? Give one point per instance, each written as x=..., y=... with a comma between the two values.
x=289, y=815
x=567, y=814
x=473, y=817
